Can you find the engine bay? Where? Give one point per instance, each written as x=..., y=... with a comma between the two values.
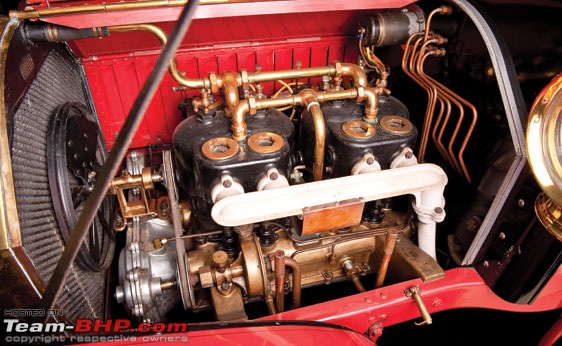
x=325, y=151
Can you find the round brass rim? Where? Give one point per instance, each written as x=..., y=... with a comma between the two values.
x=220, y=148
x=396, y=124
x=544, y=139
x=358, y=129
x=549, y=214
x=265, y=142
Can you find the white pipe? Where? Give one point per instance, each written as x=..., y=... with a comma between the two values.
x=426, y=182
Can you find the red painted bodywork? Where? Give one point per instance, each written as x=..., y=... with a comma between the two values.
x=275, y=35
x=117, y=66
x=256, y=335
x=369, y=312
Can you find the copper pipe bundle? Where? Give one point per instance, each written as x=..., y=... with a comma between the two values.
x=451, y=112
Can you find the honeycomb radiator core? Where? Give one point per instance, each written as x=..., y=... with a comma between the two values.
x=59, y=81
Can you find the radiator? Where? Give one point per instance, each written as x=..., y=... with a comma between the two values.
x=59, y=81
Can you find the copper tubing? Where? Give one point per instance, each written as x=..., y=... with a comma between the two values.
x=279, y=260
x=459, y=102
x=409, y=55
x=445, y=10
x=291, y=263
x=413, y=60
x=389, y=244
x=358, y=285
x=448, y=101
x=445, y=103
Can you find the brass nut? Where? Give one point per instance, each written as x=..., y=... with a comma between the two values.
x=220, y=148
x=396, y=124
x=206, y=276
x=360, y=94
x=214, y=82
x=339, y=68
x=244, y=78
x=358, y=129
x=220, y=259
x=252, y=105
x=265, y=142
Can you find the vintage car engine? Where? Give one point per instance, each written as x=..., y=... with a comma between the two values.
x=253, y=204
x=339, y=149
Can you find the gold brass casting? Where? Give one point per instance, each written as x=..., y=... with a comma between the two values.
x=396, y=124
x=550, y=215
x=358, y=129
x=265, y=142
x=220, y=148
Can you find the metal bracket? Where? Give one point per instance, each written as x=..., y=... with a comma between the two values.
x=415, y=293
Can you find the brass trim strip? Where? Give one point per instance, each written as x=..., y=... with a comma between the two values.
x=543, y=139
x=10, y=236
x=110, y=7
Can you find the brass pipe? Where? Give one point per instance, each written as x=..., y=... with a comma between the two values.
x=230, y=81
x=291, y=263
x=319, y=137
x=192, y=83
x=111, y=7
x=372, y=106
x=338, y=69
x=270, y=305
x=358, y=285
x=310, y=99
x=279, y=260
x=389, y=244
x=319, y=140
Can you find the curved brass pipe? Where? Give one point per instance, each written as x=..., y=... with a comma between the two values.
x=310, y=99
x=372, y=104
x=291, y=263
x=192, y=83
x=319, y=138
x=358, y=285
x=230, y=81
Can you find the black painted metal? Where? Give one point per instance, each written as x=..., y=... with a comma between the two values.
x=342, y=151
x=72, y=144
